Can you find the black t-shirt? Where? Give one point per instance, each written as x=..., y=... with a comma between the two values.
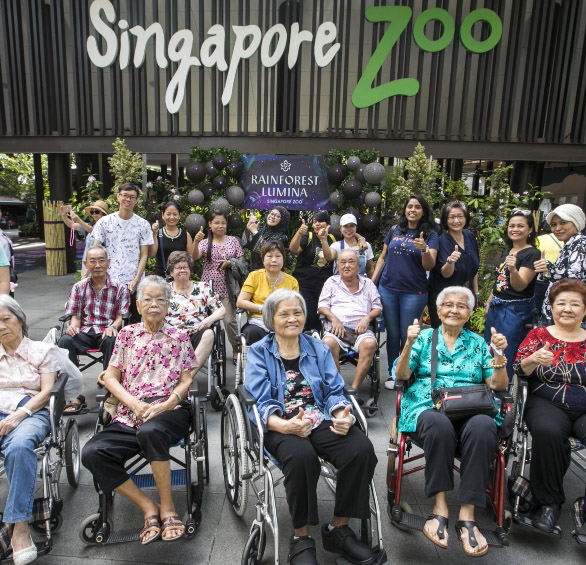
x=311, y=265
x=502, y=287
x=298, y=393
x=169, y=245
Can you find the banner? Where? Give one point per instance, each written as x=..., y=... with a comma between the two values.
x=296, y=182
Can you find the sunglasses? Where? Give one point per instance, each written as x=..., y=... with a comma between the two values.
x=519, y=211
x=95, y=212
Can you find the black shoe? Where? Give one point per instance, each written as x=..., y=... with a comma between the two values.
x=342, y=540
x=545, y=518
x=302, y=551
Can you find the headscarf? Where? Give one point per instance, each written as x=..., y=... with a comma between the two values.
x=275, y=233
x=569, y=213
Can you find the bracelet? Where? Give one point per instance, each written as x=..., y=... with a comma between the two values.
x=26, y=410
x=260, y=308
x=449, y=261
x=426, y=250
x=178, y=396
x=360, y=238
x=353, y=418
x=492, y=363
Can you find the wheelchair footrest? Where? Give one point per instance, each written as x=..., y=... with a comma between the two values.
x=122, y=536
x=525, y=521
x=380, y=558
x=416, y=522
x=580, y=538
x=148, y=481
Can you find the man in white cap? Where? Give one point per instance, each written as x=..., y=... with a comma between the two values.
x=566, y=221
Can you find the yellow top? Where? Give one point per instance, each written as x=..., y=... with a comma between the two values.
x=257, y=284
x=547, y=243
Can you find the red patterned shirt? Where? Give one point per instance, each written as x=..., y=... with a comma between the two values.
x=97, y=310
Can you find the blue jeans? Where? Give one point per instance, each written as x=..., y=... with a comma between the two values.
x=399, y=311
x=509, y=317
x=20, y=462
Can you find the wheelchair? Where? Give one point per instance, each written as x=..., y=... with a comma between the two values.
x=59, y=450
x=98, y=528
x=370, y=407
x=247, y=465
x=217, y=391
x=400, y=512
x=520, y=450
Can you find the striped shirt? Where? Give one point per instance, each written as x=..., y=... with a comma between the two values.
x=97, y=310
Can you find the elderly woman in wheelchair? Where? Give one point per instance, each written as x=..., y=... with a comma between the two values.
x=305, y=416
x=27, y=374
x=463, y=359
x=149, y=373
x=553, y=359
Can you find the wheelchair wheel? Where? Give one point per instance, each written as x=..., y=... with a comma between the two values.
x=370, y=409
x=221, y=359
x=89, y=528
x=328, y=472
x=234, y=456
x=405, y=507
x=254, y=548
x=40, y=528
x=392, y=455
x=72, y=457
x=216, y=401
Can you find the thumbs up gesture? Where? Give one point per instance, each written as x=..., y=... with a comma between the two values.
x=511, y=261
x=298, y=425
x=541, y=264
x=155, y=226
x=413, y=331
x=342, y=422
x=544, y=356
x=199, y=235
x=303, y=229
x=497, y=340
x=455, y=255
x=419, y=243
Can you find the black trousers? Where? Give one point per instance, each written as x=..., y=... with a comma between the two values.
x=84, y=341
x=310, y=293
x=476, y=440
x=106, y=453
x=134, y=317
x=253, y=333
x=353, y=455
x=550, y=428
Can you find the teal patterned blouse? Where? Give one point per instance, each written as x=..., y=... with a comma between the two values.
x=467, y=364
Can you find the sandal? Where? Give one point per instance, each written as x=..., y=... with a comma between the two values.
x=172, y=523
x=151, y=524
x=75, y=406
x=443, y=523
x=472, y=541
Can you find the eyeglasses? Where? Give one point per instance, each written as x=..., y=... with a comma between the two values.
x=159, y=301
x=451, y=306
x=95, y=212
x=273, y=215
x=127, y=196
x=519, y=211
x=459, y=217
x=101, y=261
x=178, y=268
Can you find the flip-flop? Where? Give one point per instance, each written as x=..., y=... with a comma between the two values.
x=443, y=523
x=75, y=406
x=172, y=523
x=472, y=541
x=151, y=524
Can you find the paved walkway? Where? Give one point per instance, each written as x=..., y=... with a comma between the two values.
x=222, y=535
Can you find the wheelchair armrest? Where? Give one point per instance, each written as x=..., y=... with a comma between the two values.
x=57, y=400
x=504, y=395
x=245, y=395
x=349, y=391
x=241, y=311
x=64, y=318
x=194, y=390
x=101, y=397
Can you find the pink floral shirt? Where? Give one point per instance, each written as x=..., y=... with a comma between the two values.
x=20, y=374
x=211, y=269
x=151, y=364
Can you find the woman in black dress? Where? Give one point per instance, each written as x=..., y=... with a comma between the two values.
x=168, y=238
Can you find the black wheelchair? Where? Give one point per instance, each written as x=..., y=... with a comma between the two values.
x=400, y=445
x=520, y=451
x=59, y=450
x=247, y=465
x=370, y=407
x=217, y=391
x=98, y=528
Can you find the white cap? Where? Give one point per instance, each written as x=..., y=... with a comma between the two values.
x=348, y=219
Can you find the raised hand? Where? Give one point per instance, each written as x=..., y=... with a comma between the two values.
x=340, y=426
x=419, y=243
x=298, y=426
x=413, y=331
x=199, y=235
x=541, y=264
x=455, y=255
x=544, y=356
x=498, y=340
x=303, y=229
x=155, y=226
x=323, y=232
x=252, y=225
x=511, y=261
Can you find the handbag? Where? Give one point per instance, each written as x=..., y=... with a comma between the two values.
x=459, y=402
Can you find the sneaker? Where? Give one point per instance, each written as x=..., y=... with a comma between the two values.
x=390, y=383
x=342, y=540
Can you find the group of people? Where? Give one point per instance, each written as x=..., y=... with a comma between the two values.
x=150, y=362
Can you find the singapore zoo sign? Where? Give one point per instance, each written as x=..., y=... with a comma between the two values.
x=249, y=39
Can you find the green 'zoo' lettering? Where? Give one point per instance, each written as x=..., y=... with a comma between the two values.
x=398, y=17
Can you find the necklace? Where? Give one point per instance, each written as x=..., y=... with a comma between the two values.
x=171, y=237
x=271, y=283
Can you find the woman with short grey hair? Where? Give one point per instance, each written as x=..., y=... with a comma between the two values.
x=456, y=290
x=10, y=304
x=154, y=280
x=273, y=301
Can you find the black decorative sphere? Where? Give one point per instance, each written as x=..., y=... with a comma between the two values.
x=208, y=190
x=219, y=161
x=195, y=172
x=354, y=212
x=335, y=198
x=336, y=174
x=220, y=182
x=195, y=197
x=352, y=189
x=235, y=195
x=359, y=174
x=235, y=168
x=235, y=221
x=353, y=163
x=370, y=222
x=372, y=199
x=374, y=173
x=221, y=204
x=335, y=222
x=194, y=222
x=211, y=170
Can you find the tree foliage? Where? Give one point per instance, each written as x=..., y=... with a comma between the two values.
x=125, y=165
x=17, y=176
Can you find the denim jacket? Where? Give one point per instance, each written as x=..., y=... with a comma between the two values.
x=265, y=376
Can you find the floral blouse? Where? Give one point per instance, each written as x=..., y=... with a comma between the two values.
x=298, y=394
x=151, y=364
x=571, y=264
x=211, y=269
x=564, y=383
x=186, y=312
x=467, y=364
